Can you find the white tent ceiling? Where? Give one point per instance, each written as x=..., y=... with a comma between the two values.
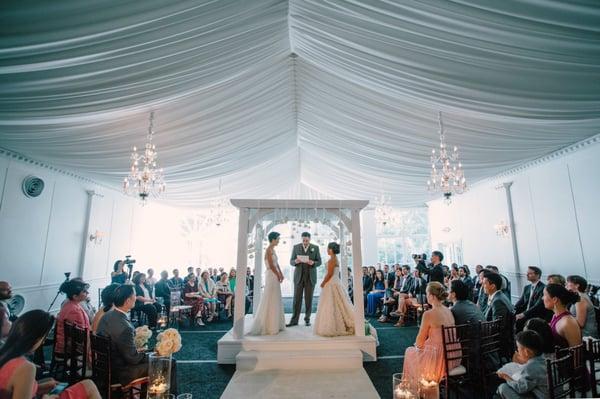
x=338, y=96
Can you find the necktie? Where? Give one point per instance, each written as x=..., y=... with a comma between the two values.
x=530, y=296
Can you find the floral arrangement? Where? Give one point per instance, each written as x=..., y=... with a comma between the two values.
x=142, y=335
x=168, y=342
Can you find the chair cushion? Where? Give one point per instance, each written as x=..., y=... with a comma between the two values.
x=460, y=370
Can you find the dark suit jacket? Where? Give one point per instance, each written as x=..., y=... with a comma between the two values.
x=162, y=290
x=367, y=284
x=127, y=363
x=537, y=308
x=435, y=273
x=466, y=312
x=417, y=289
x=301, y=268
x=502, y=307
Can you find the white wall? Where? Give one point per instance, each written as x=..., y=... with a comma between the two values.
x=556, y=211
x=43, y=237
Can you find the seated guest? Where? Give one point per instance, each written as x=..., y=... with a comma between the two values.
x=224, y=293
x=17, y=373
x=127, y=363
x=176, y=282
x=482, y=298
x=376, y=294
x=543, y=329
x=565, y=328
x=144, y=302
x=119, y=274
x=463, y=275
x=150, y=281
x=191, y=297
x=76, y=292
x=556, y=279
x=532, y=381
x=476, y=283
x=399, y=289
x=367, y=284
x=108, y=298
x=416, y=359
x=463, y=310
x=530, y=304
x=499, y=306
x=232, y=280
x=162, y=290
x=86, y=305
x=416, y=297
x=505, y=281
x=208, y=291
x=583, y=310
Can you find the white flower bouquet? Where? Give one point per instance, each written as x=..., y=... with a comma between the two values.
x=142, y=335
x=168, y=342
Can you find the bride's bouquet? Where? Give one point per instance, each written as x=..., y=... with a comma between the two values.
x=168, y=342
x=142, y=335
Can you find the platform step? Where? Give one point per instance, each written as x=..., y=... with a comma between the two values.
x=299, y=360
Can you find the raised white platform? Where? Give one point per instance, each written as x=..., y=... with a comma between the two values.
x=299, y=341
x=301, y=384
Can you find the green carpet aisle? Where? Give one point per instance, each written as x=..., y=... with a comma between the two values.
x=199, y=373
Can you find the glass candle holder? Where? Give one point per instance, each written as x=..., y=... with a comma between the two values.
x=403, y=388
x=159, y=376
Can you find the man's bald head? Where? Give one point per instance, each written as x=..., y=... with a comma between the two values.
x=5, y=290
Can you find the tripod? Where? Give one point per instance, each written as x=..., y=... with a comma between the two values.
x=67, y=275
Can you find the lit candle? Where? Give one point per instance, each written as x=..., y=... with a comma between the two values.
x=158, y=388
x=429, y=389
x=401, y=393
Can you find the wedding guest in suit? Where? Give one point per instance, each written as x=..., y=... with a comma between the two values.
x=150, y=281
x=531, y=304
x=198, y=273
x=208, y=290
x=389, y=276
x=191, y=297
x=378, y=292
x=416, y=297
x=162, y=290
x=17, y=373
x=556, y=279
x=476, y=283
x=505, y=281
x=399, y=289
x=565, y=327
x=464, y=311
x=532, y=381
x=482, y=298
x=76, y=292
x=499, y=306
x=463, y=275
x=176, y=282
x=583, y=310
x=145, y=302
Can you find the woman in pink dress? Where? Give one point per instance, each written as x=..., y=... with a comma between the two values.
x=76, y=292
x=426, y=357
x=17, y=374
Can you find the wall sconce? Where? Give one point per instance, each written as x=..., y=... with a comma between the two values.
x=502, y=229
x=96, y=237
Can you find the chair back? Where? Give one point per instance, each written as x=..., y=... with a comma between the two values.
x=560, y=377
x=175, y=298
x=78, y=354
x=68, y=337
x=101, y=361
x=457, y=343
x=580, y=372
x=490, y=337
x=593, y=356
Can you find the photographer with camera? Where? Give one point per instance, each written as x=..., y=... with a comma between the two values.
x=435, y=270
x=119, y=275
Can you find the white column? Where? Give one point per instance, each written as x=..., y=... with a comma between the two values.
x=242, y=260
x=359, y=306
x=258, y=265
x=369, y=241
x=344, y=257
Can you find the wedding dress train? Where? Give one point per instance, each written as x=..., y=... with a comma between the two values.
x=269, y=318
x=335, y=313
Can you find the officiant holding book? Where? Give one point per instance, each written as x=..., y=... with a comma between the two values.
x=305, y=259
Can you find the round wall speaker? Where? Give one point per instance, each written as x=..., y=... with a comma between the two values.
x=32, y=186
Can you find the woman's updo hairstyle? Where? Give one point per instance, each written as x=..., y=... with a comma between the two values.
x=437, y=290
x=565, y=296
x=273, y=236
x=335, y=247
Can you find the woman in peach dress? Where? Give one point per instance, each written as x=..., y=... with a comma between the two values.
x=426, y=357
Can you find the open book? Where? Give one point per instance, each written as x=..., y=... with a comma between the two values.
x=513, y=369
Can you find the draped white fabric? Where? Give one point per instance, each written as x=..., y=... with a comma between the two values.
x=341, y=97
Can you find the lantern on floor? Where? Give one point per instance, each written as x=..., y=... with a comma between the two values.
x=404, y=388
x=159, y=376
x=429, y=387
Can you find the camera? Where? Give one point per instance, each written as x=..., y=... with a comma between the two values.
x=128, y=261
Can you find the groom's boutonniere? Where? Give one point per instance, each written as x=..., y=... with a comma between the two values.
x=312, y=249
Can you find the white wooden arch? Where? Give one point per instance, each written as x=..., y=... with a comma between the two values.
x=251, y=211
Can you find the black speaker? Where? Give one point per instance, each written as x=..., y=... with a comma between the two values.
x=32, y=186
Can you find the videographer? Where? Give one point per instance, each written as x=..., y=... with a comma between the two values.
x=119, y=274
x=435, y=270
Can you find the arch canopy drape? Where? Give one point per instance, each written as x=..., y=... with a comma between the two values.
x=338, y=96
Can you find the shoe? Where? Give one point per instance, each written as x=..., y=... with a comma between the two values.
x=395, y=314
x=200, y=322
x=307, y=323
x=290, y=324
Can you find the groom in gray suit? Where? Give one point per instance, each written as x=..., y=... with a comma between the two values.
x=305, y=258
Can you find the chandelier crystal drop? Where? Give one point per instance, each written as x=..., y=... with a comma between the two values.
x=447, y=175
x=145, y=177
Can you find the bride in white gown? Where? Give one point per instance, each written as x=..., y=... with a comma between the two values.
x=335, y=314
x=269, y=318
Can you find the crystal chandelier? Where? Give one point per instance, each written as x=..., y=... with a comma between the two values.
x=384, y=213
x=145, y=178
x=219, y=210
x=447, y=174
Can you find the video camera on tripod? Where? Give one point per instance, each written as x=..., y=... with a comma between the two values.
x=129, y=263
